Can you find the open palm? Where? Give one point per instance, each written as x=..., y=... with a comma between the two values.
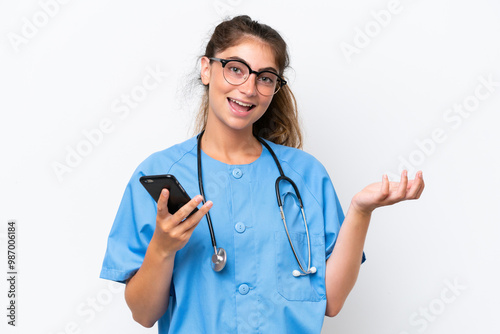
x=387, y=193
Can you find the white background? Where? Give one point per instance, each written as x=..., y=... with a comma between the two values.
x=362, y=116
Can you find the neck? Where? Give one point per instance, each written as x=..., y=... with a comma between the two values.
x=231, y=147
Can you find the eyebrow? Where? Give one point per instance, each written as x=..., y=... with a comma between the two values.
x=272, y=69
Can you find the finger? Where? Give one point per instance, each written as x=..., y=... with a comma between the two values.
x=401, y=192
x=162, y=204
x=384, y=188
x=416, y=186
x=190, y=223
x=422, y=185
x=187, y=208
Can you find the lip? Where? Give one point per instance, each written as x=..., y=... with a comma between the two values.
x=238, y=112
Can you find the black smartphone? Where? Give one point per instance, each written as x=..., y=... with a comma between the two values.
x=154, y=184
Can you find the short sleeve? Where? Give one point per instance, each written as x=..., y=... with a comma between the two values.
x=334, y=216
x=131, y=232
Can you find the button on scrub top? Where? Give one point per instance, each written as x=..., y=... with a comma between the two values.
x=256, y=291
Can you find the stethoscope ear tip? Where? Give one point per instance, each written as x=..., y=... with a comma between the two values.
x=297, y=273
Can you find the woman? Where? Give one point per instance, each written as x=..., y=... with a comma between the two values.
x=166, y=265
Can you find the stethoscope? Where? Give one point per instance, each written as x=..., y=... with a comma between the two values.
x=219, y=257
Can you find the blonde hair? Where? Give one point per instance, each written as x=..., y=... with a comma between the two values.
x=280, y=123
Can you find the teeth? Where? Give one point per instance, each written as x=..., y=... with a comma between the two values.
x=241, y=103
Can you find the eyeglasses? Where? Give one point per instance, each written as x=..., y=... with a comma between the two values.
x=237, y=72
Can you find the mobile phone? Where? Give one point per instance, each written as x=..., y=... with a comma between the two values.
x=154, y=184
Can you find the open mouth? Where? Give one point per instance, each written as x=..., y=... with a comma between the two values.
x=240, y=106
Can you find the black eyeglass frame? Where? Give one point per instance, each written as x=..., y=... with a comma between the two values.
x=224, y=62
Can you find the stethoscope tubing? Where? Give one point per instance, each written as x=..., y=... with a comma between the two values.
x=202, y=193
x=282, y=177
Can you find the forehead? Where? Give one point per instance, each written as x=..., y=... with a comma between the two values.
x=254, y=52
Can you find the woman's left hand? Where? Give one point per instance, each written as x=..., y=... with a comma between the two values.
x=387, y=193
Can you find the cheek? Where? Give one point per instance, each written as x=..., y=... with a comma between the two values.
x=218, y=88
x=215, y=91
x=266, y=103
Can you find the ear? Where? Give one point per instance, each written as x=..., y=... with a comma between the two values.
x=205, y=70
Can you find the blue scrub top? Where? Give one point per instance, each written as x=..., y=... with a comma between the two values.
x=256, y=291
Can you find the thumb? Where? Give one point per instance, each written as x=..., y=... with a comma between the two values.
x=162, y=204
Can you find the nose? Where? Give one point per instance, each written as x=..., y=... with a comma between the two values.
x=249, y=87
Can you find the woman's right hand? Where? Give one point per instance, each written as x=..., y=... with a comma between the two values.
x=147, y=292
x=173, y=231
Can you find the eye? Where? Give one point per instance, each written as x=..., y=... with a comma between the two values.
x=235, y=69
x=268, y=78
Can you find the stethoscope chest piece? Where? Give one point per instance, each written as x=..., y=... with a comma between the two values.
x=219, y=260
